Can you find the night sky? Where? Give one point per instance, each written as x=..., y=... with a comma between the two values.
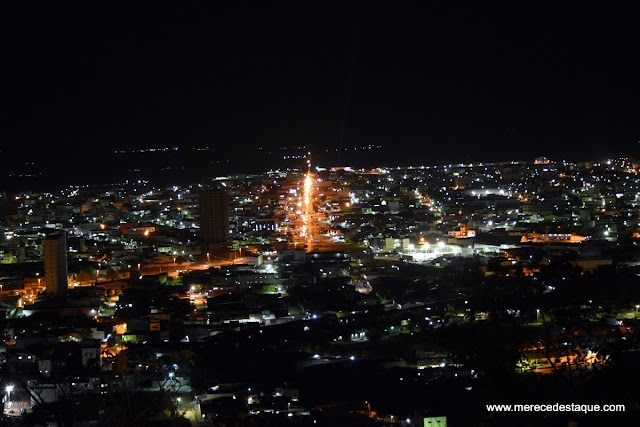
x=426, y=81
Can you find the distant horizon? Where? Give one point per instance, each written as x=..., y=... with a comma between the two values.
x=181, y=168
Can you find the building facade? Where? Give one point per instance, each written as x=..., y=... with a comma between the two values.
x=55, y=263
x=214, y=219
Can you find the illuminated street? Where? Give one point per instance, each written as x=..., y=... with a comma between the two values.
x=306, y=220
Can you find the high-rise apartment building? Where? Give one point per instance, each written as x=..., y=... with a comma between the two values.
x=214, y=219
x=55, y=263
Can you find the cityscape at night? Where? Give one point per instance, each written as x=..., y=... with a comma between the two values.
x=393, y=296
x=330, y=213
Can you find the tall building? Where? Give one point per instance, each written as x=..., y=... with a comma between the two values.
x=214, y=219
x=55, y=263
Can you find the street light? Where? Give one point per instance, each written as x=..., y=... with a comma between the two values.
x=8, y=389
x=537, y=315
x=368, y=408
x=208, y=260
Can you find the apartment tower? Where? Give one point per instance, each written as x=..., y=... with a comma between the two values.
x=214, y=219
x=55, y=263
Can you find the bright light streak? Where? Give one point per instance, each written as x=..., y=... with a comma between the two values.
x=308, y=208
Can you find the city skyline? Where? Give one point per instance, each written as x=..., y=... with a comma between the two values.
x=423, y=83
x=470, y=286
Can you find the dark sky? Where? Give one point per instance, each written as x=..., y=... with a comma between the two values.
x=426, y=80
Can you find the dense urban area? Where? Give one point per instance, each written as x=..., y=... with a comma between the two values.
x=310, y=296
